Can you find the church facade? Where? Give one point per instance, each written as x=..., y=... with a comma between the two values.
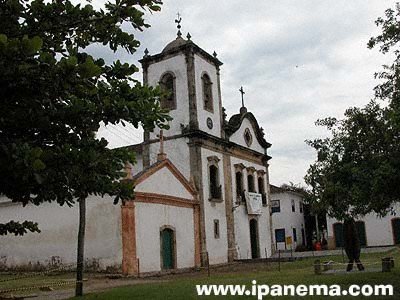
x=202, y=186
x=223, y=158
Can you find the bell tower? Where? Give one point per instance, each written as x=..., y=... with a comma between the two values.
x=190, y=77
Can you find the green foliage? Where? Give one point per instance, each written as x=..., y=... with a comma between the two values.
x=18, y=228
x=357, y=170
x=54, y=95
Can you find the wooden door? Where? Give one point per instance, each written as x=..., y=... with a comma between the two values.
x=396, y=230
x=338, y=231
x=167, y=248
x=254, y=239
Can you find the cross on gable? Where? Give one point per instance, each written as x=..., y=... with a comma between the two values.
x=161, y=136
x=161, y=155
x=242, y=92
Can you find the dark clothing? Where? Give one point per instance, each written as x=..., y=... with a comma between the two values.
x=352, y=244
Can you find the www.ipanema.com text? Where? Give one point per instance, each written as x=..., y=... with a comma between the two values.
x=262, y=290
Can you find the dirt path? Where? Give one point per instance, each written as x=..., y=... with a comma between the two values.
x=94, y=285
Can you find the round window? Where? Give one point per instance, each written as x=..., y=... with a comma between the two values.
x=248, y=138
x=209, y=123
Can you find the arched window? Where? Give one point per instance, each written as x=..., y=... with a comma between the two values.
x=213, y=179
x=215, y=188
x=167, y=85
x=207, y=92
x=250, y=183
x=261, y=189
x=239, y=183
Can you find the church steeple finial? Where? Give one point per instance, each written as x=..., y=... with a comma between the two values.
x=178, y=21
x=243, y=109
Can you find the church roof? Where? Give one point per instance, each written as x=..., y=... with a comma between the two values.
x=236, y=121
x=276, y=189
x=177, y=46
x=178, y=42
x=280, y=190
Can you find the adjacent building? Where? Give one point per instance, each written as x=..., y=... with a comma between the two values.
x=373, y=231
x=287, y=210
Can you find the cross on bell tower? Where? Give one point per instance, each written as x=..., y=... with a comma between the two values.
x=178, y=21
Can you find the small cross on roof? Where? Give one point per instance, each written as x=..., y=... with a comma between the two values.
x=242, y=92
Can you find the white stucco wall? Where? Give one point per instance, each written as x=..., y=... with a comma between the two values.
x=379, y=231
x=202, y=66
x=165, y=183
x=177, y=151
x=59, y=232
x=217, y=248
x=176, y=65
x=149, y=219
x=242, y=221
x=287, y=219
x=238, y=137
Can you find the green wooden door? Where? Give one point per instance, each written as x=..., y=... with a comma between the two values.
x=254, y=239
x=360, y=225
x=167, y=250
x=338, y=231
x=396, y=230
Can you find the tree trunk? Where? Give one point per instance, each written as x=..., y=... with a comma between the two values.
x=317, y=228
x=81, y=247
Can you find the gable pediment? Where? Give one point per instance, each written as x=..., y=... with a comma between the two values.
x=243, y=129
x=165, y=179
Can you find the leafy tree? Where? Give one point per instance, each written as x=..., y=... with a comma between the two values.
x=54, y=95
x=357, y=170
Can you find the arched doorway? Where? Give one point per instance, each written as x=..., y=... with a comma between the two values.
x=396, y=230
x=167, y=236
x=255, y=253
x=338, y=232
x=360, y=225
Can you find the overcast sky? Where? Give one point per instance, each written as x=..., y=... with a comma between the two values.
x=297, y=61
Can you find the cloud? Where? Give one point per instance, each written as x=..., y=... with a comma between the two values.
x=297, y=60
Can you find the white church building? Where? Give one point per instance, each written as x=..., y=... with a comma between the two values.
x=201, y=187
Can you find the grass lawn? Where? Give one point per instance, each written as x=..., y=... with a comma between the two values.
x=296, y=273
